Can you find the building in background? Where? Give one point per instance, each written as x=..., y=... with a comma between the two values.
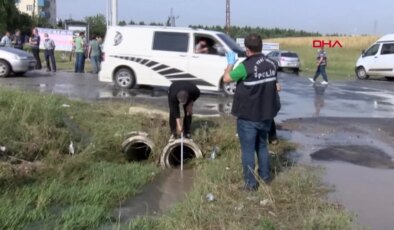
x=41, y=8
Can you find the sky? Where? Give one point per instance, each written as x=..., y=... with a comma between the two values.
x=329, y=16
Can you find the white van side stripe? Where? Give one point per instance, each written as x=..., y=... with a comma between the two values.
x=172, y=74
x=179, y=76
x=170, y=71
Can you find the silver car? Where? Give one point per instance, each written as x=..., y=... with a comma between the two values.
x=285, y=59
x=15, y=61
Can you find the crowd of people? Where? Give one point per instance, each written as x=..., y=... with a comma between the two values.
x=82, y=48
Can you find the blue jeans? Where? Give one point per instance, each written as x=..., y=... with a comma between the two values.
x=321, y=69
x=79, y=62
x=253, y=139
x=95, y=60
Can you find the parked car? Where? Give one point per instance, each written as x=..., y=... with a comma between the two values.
x=159, y=56
x=378, y=60
x=285, y=59
x=15, y=61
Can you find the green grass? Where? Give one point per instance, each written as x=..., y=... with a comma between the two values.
x=44, y=187
x=42, y=184
x=296, y=197
x=341, y=61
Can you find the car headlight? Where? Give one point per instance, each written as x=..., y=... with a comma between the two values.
x=21, y=57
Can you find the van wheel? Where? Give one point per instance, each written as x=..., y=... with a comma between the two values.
x=229, y=88
x=4, y=69
x=124, y=78
x=361, y=73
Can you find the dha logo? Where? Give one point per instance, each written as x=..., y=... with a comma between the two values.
x=329, y=44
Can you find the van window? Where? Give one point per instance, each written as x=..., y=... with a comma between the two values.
x=168, y=41
x=373, y=50
x=387, y=49
x=232, y=44
x=207, y=45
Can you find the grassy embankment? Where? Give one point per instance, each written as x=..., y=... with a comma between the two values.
x=41, y=184
x=341, y=61
x=44, y=187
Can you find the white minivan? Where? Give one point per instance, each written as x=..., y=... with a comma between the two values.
x=158, y=56
x=378, y=59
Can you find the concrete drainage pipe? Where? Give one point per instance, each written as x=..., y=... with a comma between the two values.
x=171, y=156
x=138, y=147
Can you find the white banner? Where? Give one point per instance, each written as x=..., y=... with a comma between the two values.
x=62, y=38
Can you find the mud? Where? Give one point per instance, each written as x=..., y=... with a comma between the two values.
x=355, y=154
x=159, y=196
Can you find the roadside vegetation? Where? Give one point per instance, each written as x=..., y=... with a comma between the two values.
x=43, y=185
x=46, y=186
x=295, y=200
x=341, y=61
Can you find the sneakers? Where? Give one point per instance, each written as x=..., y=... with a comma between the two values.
x=188, y=136
x=311, y=79
x=324, y=83
x=173, y=138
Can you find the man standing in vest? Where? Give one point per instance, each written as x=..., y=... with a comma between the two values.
x=255, y=105
x=321, y=67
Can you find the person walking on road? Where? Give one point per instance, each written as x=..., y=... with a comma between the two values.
x=181, y=93
x=35, y=47
x=256, y=103
x=49, y=46
x=321, y=67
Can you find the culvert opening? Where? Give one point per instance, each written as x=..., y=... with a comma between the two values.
x=174, y=157
x=138, y=151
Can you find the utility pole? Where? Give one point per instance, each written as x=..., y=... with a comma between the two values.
x=228, y=17
x=114, y=12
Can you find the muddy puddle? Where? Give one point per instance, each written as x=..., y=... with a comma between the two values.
x=357, y=154
x=159, y=196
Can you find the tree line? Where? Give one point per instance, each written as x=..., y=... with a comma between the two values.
x=11, y=19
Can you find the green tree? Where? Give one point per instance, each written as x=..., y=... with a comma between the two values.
x=11, y=19
x=122, y=23
x=97, y=24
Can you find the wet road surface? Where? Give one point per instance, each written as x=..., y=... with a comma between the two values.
x=347, y=125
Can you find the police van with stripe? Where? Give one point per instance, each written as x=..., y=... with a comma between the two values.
x=158, y=56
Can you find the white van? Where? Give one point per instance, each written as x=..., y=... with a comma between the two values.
x=378, y=59
x=158, y=56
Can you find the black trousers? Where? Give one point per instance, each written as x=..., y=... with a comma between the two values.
x=36, y=54
x=272, y=133
x=50, y=60
x=187, y=123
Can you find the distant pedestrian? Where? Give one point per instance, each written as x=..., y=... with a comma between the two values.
x=181, y=93
x=49, y=46
x=94, y=54
x=255, y=105
x=6, y=40
x=35, y=47
x=17, y=41
x=79, y=51
x=321, y=67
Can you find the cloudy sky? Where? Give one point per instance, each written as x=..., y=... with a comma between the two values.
x=330, y=16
